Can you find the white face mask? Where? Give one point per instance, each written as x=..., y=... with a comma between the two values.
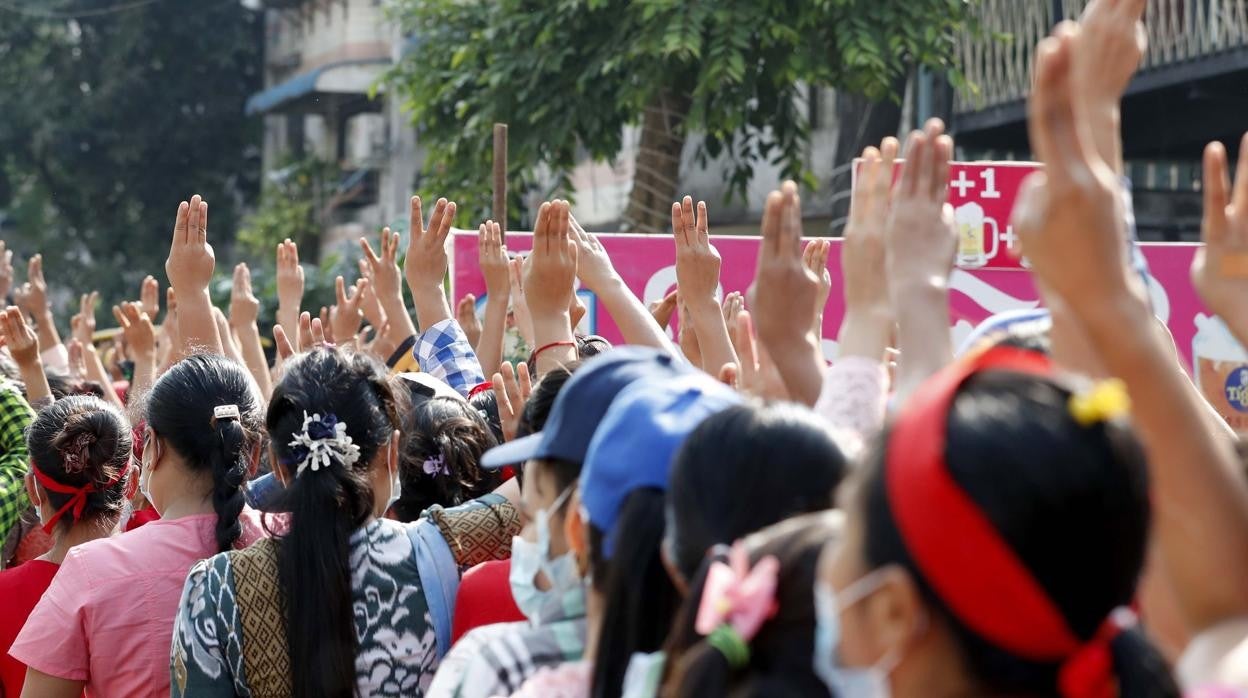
x=843, y=681
x=528, y=559
x=145, y=477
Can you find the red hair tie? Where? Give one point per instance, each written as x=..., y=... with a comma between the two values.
x=971, y=568
x=79, y=499
x=480, y=388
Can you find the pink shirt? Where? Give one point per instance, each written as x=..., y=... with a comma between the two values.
x=107, y=618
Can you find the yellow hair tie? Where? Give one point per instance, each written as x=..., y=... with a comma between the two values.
x=1104, y=401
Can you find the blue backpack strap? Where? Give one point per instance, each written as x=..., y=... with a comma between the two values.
x=439, y=577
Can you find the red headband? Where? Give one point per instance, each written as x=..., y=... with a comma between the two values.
x=79, y=499
x=960, y=553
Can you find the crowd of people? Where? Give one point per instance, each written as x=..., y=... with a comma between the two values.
x=399, y=511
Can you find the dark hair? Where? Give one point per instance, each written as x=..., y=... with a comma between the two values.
x=781, y=653
x=453, y=433
x=325, y=509
x=485, y=403
x=97, y=438
x=62, y=385
x=533, y=419
x=180, y=409
x=781, y=458
x=1070, y=501
x=639, y=600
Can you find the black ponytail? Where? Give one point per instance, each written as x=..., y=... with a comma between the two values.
x=181, y=410
x=326, y=507
x=229, y=460
x=639, y=598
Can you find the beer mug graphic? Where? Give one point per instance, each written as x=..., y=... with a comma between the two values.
x=975, y=245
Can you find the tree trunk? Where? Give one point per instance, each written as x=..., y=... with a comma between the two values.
x=862, y=123
x=657, y=170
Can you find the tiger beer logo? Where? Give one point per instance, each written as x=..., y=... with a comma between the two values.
x=1237, y=389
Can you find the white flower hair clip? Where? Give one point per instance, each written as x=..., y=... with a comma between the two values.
x=322, y=440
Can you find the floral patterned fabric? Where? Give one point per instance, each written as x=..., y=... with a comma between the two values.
x=397, y=650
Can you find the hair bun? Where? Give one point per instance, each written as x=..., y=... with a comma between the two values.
x=76, y=455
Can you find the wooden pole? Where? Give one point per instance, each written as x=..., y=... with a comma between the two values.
x=500, y=177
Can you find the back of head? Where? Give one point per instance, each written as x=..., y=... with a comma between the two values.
x=1069, y=499
x=441, y=456
x=326, y=504
x=780, y=460
x=181, y=409
x=779, y=662
x=78, y=442
x=485, y=402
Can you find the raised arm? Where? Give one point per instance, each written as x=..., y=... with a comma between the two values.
x=189, y=267
x=23, y=344
x=244, y=320
x=1069, y=219
x=140, y=335
x=15, y=416
x=594, y=268
x=492, y=258
x=922, y=244
x=697, y=276
x=548, y=276
x=783, y=296
x=290, y=284
x=32, y=297
x=426, y=262
x=387, y=284
x=83, y=326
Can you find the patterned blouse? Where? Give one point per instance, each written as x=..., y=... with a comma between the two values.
x=231, y=600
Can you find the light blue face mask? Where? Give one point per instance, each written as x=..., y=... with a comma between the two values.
x=843, y=681
x=528, y=559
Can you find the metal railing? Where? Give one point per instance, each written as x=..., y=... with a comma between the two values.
x=1178, y=31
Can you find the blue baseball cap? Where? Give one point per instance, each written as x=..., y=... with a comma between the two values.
x=634, y=446
x=582, y=402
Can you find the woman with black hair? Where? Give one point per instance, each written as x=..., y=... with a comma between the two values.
x=782, y=458
x=336, y=605
x=440, y=460
x=993, y=545
x=748, y=622
x=79, y=477
x=106, y=622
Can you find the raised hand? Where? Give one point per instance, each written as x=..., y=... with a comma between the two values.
x=815, y=257
x=244, y=306
x=549, y=274
x=492, y=259
x=755, y=374
x=512, y=390
x=77, y=360
x=189, y=267
x=387, y=284
x=191, y=260
x=1220, y=269
x=733, y=304
x=697, y=260
x=593, y=265
x=869, y=318
x=136, y=326
x=290, y=286
x=346, y=318
x=1109, y=43
x=32, y=296
x=663, y=309
x=783, y=295
x=83, y=324
x=19, y=337
x=466, y=316
x=149, y=296
x=1069, y=217
x=519, y=304
x=920, y=250
x=370, y=304
x=6, y=270
x=426, y=261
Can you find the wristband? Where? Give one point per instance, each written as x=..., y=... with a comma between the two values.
x=552, y=345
